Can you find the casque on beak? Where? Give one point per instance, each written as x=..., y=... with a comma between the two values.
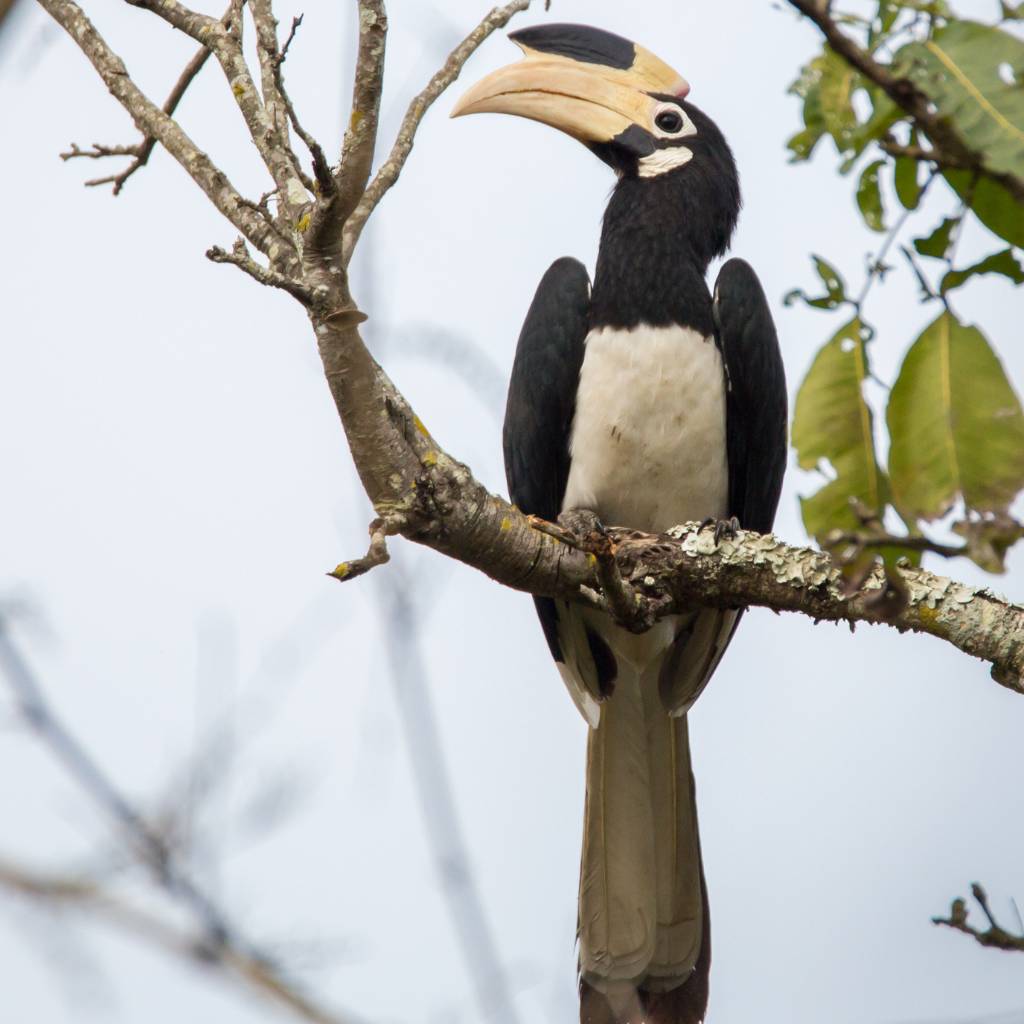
x=590, y=84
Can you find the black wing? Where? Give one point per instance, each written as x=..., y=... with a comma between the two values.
x=542, y=400
x=756, y=411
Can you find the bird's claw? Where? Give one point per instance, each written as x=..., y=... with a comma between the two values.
x=723, y=527
x=588, y=532
x=582, y=523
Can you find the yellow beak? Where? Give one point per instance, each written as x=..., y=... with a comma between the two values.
x=592, y=102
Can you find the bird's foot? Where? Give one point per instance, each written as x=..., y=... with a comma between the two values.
x=582, y=523
x=723, y=527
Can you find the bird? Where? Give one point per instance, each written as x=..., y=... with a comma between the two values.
x=641, y=400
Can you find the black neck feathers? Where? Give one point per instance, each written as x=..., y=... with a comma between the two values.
x=661, y=232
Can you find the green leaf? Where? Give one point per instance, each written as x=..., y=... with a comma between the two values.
x=955, y=426
x=833, y=424
x=830, y=278
x=836, y=88
x=959, y=69
x=826, y=86
x=937, y=7
x=888, y=12
x=1004, y=263
x=808, y=88
x=835, y=288
x=992, y=204
x=988, y=539
x=869, y=197
x=884, y=114
x=937, y=242
x=908, y=188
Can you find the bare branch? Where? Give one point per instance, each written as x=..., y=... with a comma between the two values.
x=279, y=112
x=151, y=120
x=146, y=843
x=142, y=151
x=995, y=936
x=348, y=184
x=879, y=542
x=239, y=257
x=920, y=153
x=283, y=55
x=216, y=939
x=948, y=146
x=377, y=554
x=262, y=119
x=88, y=896
x=321, y=168
x=389, y=171
x=408, y=670
x=361, y=134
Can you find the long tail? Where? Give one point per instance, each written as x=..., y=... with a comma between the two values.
x=644, y=931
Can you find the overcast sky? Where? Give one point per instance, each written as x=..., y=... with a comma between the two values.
x=175, y=485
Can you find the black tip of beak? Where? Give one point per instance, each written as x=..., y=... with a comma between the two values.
x=579, y=42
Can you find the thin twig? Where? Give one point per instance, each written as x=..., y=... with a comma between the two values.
x=995, y=936
x=142, y=151
x=447, y=845
x=217, y=940
x=283, y=55
x=922, y=155
x=877, y=268
x=875, y=542
x=88, y=896
x=151, y=120
x=377, y=554
x=278, y=109
x=321, y=168
x=389, y=171
x=261, y=118
x=239, y=257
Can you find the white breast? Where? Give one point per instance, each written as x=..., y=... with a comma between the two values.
x=648, y=437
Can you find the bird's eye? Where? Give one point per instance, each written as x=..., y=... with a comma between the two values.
x=669, y=121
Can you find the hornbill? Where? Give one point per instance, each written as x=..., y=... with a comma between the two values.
x=641, y=401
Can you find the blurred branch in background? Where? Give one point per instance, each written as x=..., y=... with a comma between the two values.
x=401, y=599
x=995, y=936
x=213, y=939
x=6, y=6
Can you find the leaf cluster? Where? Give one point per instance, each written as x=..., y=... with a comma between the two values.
x=954, y=421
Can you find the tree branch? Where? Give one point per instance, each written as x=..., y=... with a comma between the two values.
x=995, y=936
x=923, y=155
x=361, y=135
x=444, y=507
x=151, y=120
x=88, y=896
x=389, y=171
x=263, y=118
x=239, y=257
x=949, y=148
x=142, y=151
x=214, y=938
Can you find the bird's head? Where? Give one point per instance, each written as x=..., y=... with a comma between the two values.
x=630, y=109
x=619, y=99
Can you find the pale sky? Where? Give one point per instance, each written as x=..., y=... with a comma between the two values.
x=176, y=484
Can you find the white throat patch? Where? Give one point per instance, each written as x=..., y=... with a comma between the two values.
x=663, y=160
